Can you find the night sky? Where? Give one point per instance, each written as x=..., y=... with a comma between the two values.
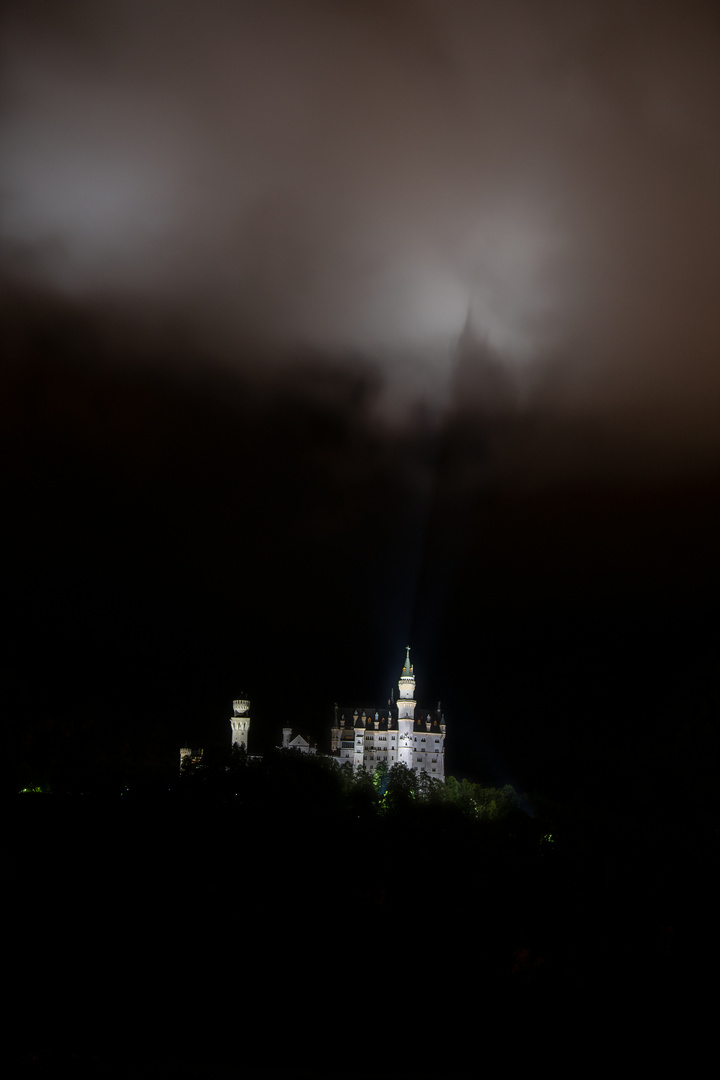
x=335, y=327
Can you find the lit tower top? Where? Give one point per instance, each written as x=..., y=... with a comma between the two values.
x=240, y=722
x=406, y=690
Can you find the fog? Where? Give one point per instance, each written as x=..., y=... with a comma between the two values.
x=270, y=182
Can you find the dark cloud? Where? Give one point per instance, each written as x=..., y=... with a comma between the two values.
x=240, y=243
x=344, y=177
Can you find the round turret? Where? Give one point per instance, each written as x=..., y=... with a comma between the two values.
x=240, y=722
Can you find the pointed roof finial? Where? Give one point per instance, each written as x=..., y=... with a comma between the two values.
x=407, y=667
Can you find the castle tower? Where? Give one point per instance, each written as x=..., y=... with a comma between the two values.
x=240, y=722
x=359, y=735
x=367, y=738
x=406, y=690
x=406, y=711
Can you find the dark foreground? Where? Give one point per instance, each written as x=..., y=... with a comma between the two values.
x=204, y=935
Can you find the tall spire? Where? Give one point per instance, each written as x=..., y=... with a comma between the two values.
x=406, y=694
x=406, y=682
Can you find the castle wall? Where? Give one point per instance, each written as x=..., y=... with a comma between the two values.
x=422, y=751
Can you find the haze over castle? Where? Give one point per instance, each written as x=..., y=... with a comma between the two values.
x=369, y=737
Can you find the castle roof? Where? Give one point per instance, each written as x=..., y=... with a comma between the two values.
x=387, y=717
x=407, y=671
x=298, y=742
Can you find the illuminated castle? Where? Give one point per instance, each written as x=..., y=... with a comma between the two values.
x=395, y=734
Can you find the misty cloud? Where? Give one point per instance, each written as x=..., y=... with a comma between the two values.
x=348, y=178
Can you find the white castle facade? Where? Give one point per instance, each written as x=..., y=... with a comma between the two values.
x=397, y=733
